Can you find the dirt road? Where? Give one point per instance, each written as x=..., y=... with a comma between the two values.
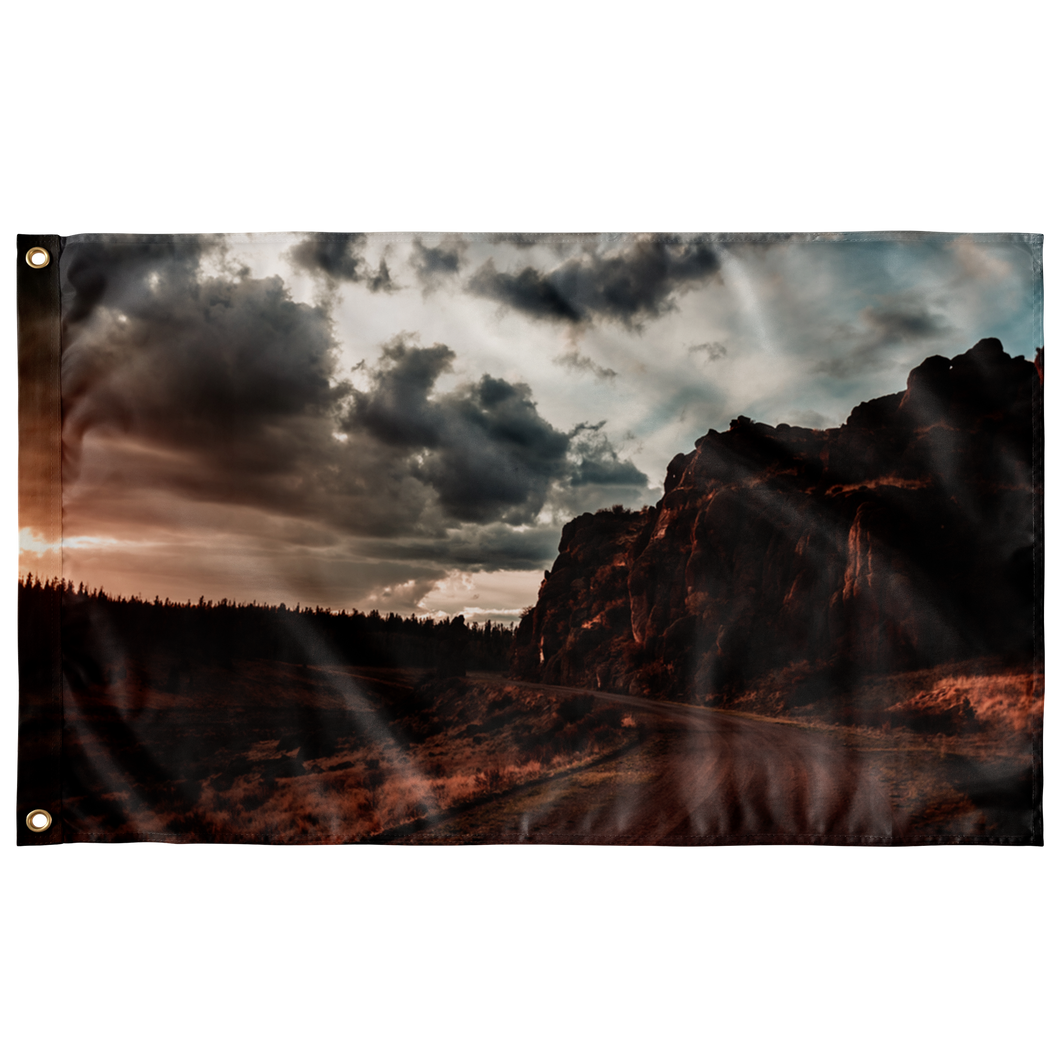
x=694, y=775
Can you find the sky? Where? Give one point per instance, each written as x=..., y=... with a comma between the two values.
x=406, y=422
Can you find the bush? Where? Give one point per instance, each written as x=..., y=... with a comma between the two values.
x=573, y=708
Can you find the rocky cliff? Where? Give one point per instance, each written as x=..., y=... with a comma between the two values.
x=901, y=540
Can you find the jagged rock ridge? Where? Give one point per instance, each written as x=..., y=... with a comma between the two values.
x=903, y=539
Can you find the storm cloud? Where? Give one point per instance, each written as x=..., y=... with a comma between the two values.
x=474, y=547
x=211, y=400
x=599, y=463
x=899, y=321
x=192, y=362
x=579, y=362
x=483, y=448
x=434, y=265
x=903, y=319
x=112, y=270
x=211, y=393
x=629, y=285
x=340, y=257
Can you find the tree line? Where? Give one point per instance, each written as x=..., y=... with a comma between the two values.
x=100, y=632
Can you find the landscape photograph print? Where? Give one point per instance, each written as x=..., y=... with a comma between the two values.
x=627, y=539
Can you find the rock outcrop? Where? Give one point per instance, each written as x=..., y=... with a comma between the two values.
x=901, y=540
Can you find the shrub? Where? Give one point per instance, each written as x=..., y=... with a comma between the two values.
x=573, y=708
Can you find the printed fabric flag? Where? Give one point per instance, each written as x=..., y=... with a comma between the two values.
x=642, y=539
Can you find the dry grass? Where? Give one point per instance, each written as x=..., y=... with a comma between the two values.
x=954, y=745
x=401, y=750
x=958, y=699
x=274, y=752
x=1010, y=701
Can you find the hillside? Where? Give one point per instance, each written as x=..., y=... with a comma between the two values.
x=807, y=559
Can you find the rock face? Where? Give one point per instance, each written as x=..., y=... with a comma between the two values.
x=901, y=540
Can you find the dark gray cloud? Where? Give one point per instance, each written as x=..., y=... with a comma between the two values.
x=475, y=547
x=110, y=269
x=381, y=280
x=223, y=389
x=398, y=409
x=340, y=257
x=436, y=264
x=211, y=388
x=599, y=463
x=483, y=447
x=712, y=351
x=579, y=362
x=899, y=321
x=904, y=319
x=629, y=285
x=529, y=291
x=202, y=363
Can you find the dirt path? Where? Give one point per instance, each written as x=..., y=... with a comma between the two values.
x=695, y=775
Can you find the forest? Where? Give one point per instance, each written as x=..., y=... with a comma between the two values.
x=101, y=631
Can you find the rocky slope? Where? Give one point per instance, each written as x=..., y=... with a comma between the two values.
x=899, y=541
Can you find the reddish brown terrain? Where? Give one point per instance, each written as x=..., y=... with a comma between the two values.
x=697, y=775
x=277, y=752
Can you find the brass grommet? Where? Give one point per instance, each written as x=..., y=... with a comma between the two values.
x=38, y=827
x=40, y=253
